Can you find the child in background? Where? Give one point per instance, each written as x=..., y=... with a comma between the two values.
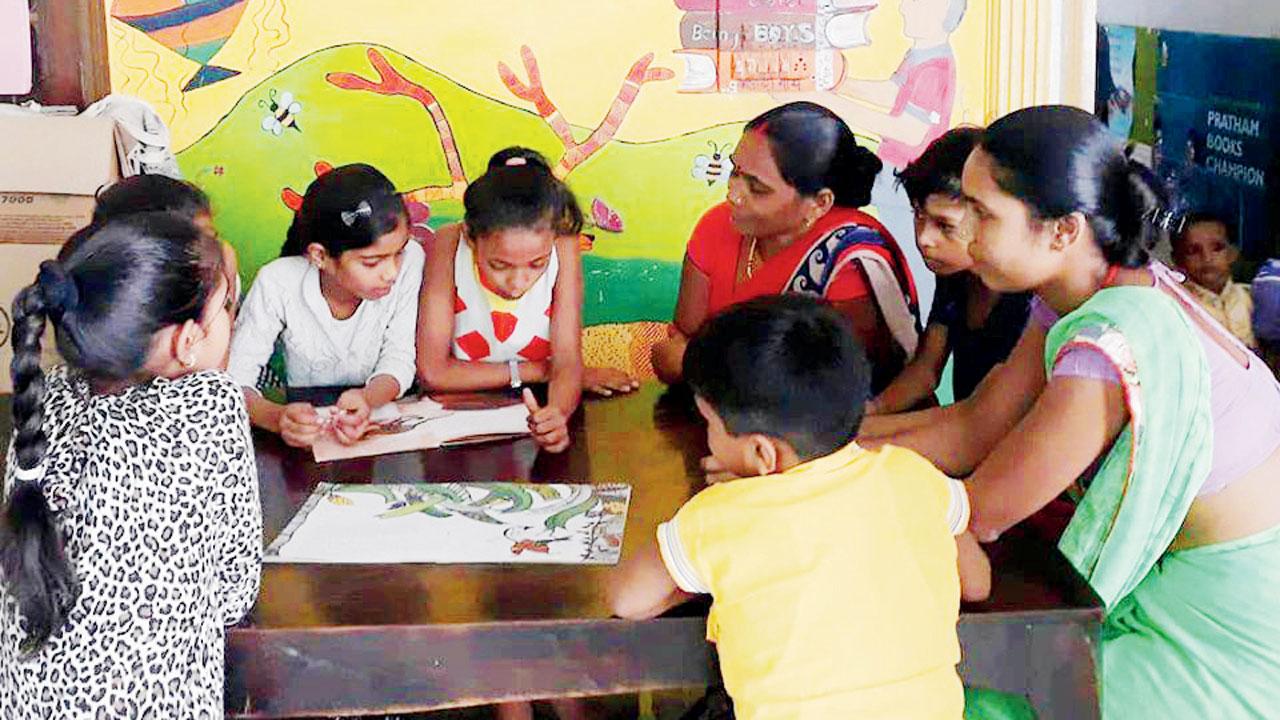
x=1266, y=312
x=161, y=193
x=132, y=530
x=1205, y=250
x=833, y=569
x=502, y=298
x=343, y=298
x=154, y=193
x=976, y=325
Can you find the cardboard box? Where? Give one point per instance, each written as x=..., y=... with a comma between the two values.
x=51, y=168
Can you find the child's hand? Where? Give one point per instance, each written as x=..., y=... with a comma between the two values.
x=715, y=471
x=549, y=426
x=352, y=419
x=607, y=381
x=300, y=425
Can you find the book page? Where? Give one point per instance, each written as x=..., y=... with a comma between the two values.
x=420, y=424
x=510, y=420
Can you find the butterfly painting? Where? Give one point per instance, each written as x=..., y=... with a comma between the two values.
x=604, y=217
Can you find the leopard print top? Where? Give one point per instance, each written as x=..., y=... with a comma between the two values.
x=157, y=495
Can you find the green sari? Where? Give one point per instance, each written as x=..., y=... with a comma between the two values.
x=1187, y=634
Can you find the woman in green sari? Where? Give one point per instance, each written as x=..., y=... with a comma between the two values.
x=1165, y=430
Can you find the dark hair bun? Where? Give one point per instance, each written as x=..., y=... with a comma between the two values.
x=815, y=150
x=854, y=174
x=517, y=156
x=1059, y=160
x=519, y=191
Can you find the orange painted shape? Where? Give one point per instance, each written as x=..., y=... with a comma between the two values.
x=503, y=325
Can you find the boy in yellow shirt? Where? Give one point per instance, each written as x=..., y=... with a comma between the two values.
x=833, y=569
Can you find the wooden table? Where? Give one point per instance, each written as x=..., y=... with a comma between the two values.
x=353, y=639
x=339, y=639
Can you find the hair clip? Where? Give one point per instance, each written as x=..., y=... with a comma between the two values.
x=362, y=210
x=21, y=474
x=1165, y=219
x=516, y=161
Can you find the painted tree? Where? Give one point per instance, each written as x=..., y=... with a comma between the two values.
x=392, y=83
x=574, y=152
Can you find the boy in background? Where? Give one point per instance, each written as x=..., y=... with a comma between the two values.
x=1205, y=250
x=970, y=322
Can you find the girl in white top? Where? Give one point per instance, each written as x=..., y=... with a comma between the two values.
x=343, y=301
x=502, y=298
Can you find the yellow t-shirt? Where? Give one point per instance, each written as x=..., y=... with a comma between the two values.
x=835, y=586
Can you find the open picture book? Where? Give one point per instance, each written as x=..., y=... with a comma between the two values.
x=423, y=423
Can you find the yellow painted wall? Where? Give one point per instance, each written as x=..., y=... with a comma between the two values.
x=584, y=48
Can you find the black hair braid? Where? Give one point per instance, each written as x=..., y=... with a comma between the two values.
x=32, y=557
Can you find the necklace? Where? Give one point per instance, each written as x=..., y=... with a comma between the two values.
x=751, y=258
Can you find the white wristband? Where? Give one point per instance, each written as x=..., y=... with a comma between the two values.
x=514, y=367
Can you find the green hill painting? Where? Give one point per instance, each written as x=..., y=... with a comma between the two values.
x=245, y=164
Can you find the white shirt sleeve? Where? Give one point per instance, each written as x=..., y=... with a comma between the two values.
x=397, y=356
x=677, y=560
x=957, y=507
x=259, y=324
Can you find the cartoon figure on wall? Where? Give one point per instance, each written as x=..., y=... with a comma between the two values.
x=793, y=49
x=907, y=111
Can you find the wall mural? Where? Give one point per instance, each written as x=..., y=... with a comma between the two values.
x=638, y=108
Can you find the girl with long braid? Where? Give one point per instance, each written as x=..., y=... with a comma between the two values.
x=131, y=531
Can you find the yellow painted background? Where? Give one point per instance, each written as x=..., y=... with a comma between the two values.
x=584, y=48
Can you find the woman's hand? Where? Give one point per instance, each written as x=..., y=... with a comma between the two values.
x=667, y=357
x=608, y=381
